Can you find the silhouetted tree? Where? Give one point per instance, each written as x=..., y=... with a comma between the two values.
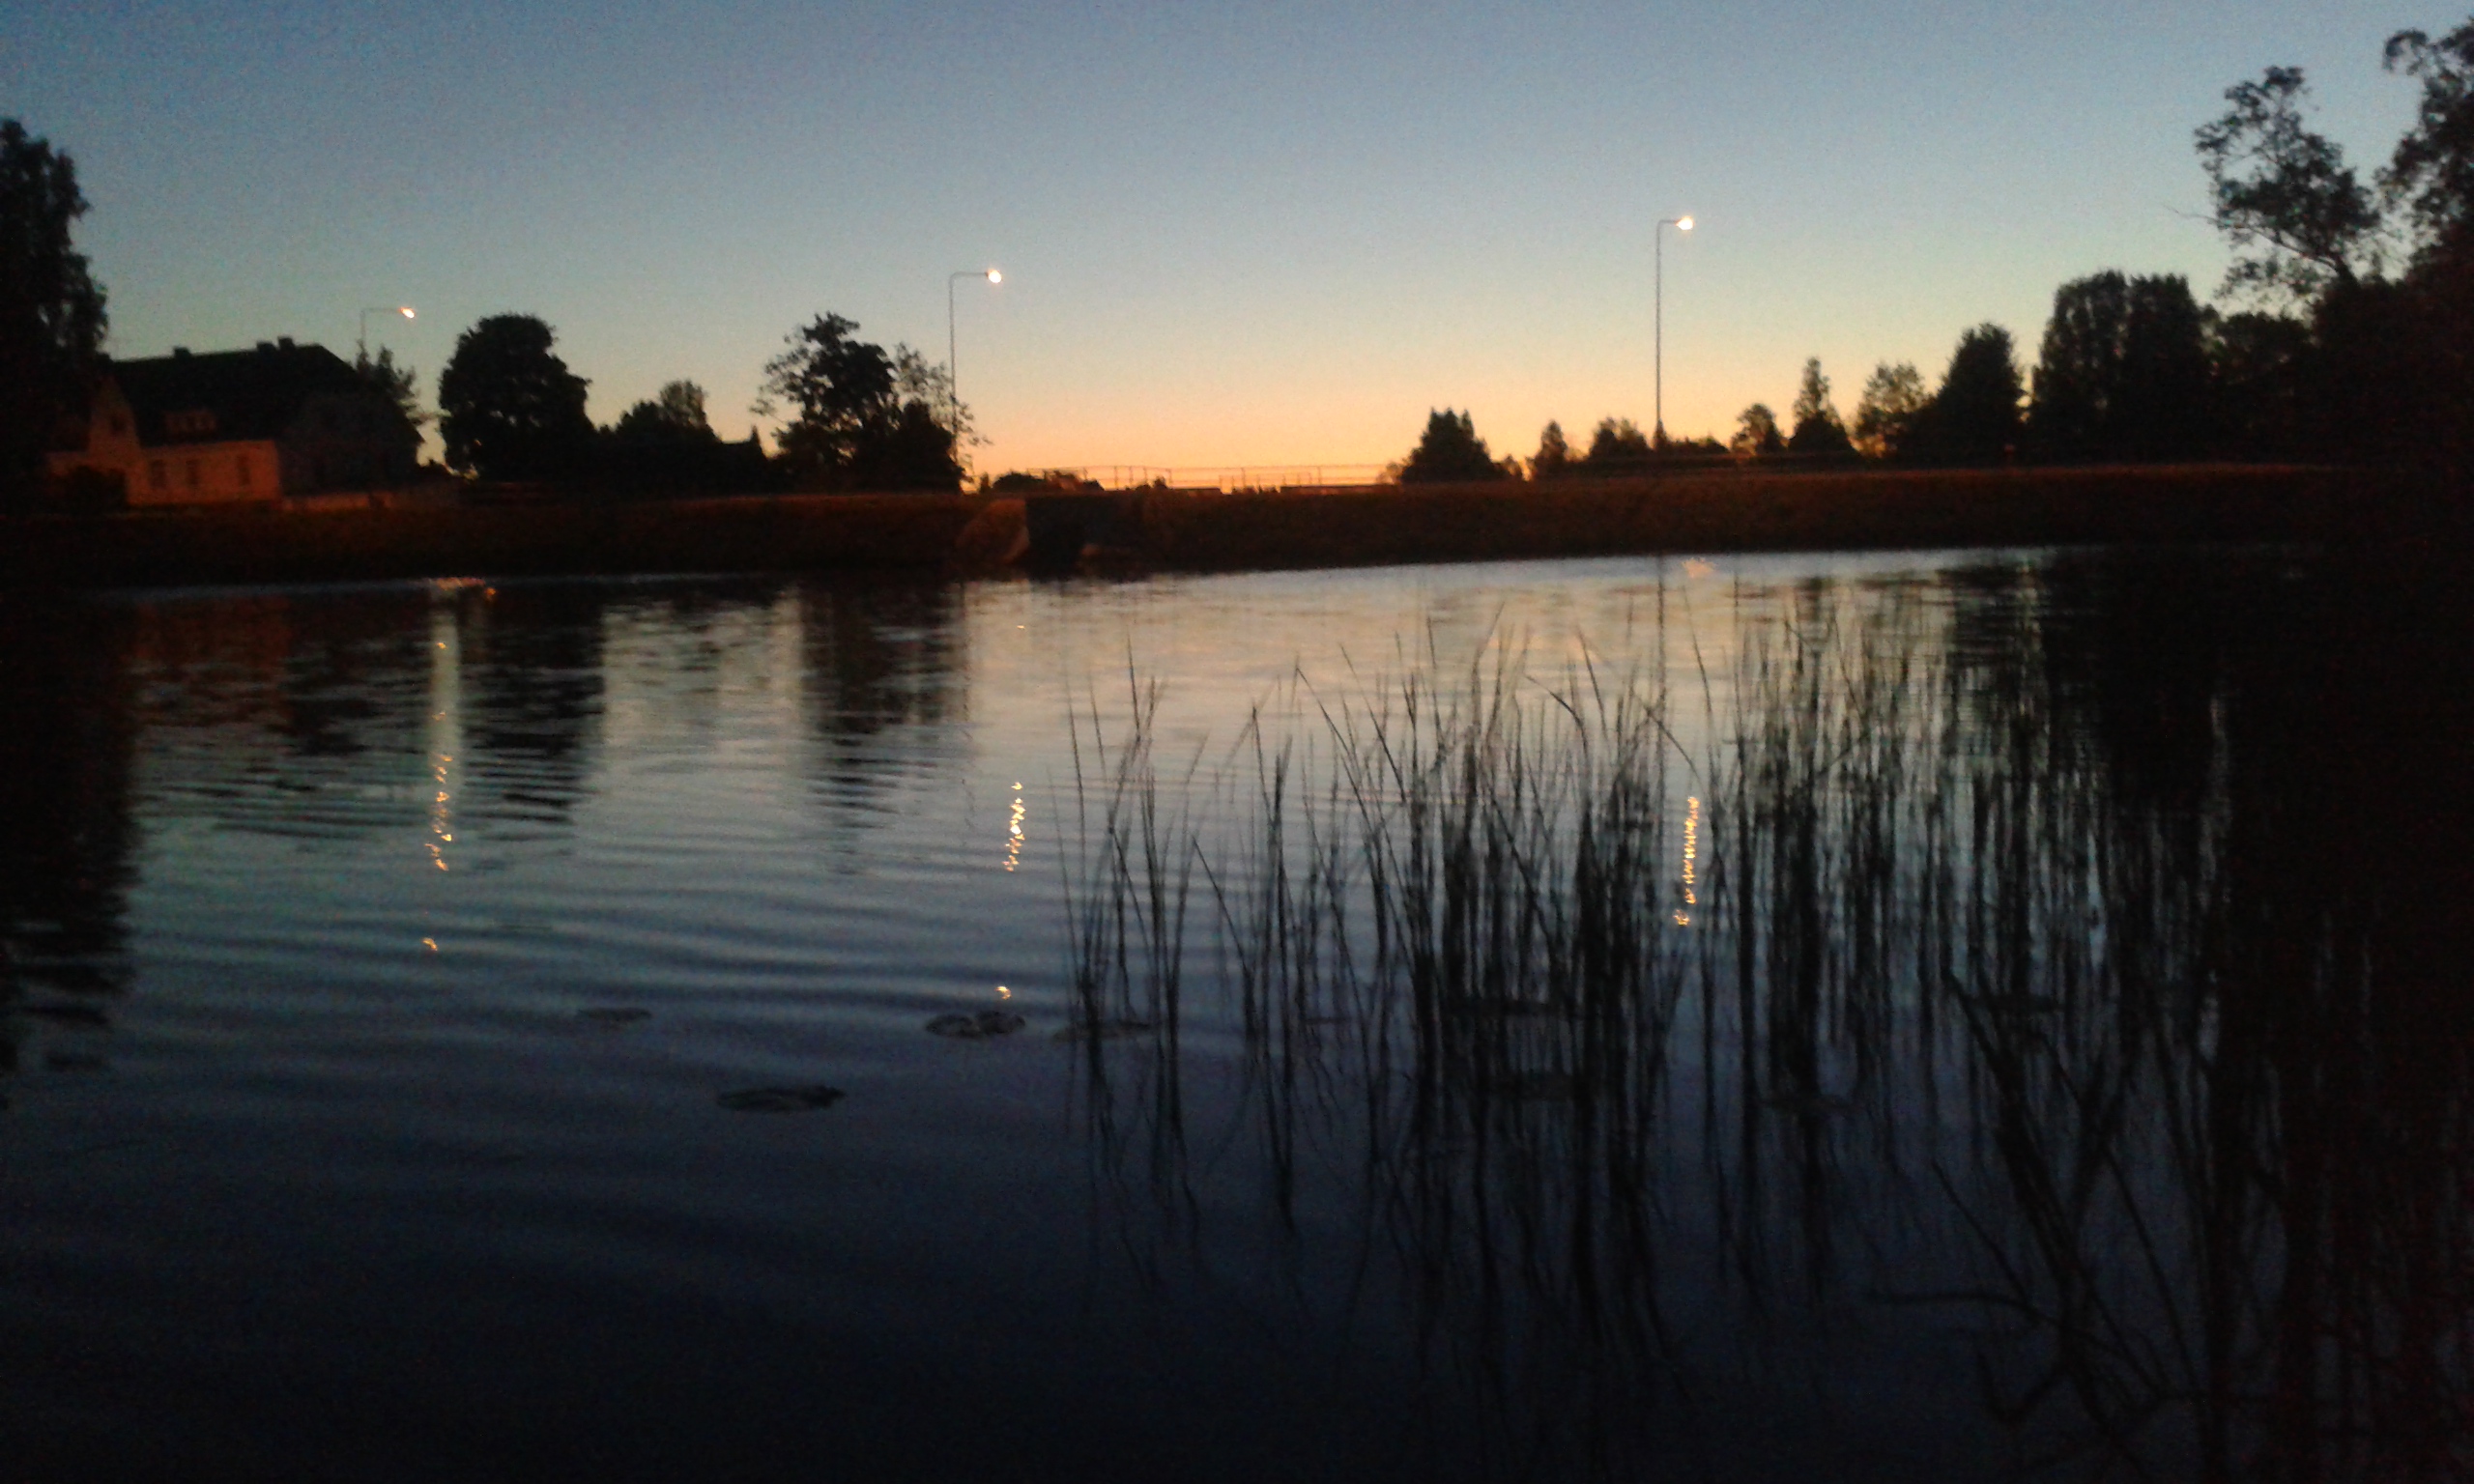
x=2386, y=376
x=399, y=385
x=2386, y=383
x=51, y=310
x=2279, y=188
x=1817, y=427
x=1757, y=432
x=1975, y=417
x=509, y=407
x=1893, y=394
x=1554, y=460
x=861, y=420
x=664, y=445
x=1618, y=446
x=911, y=451
x=674, y=415
x=918, y=379
x=2256, y=363
x=2162, y=410
x=834, y=386
x=1450, y=453
x=2432, y=174
x=2124, y=372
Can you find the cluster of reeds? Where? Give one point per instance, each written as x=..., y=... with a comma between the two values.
x=1953, y=1011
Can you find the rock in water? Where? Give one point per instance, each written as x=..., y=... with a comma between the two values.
x=780, y=1099
x=978, y=1027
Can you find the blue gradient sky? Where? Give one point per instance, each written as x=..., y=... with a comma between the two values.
x=1264, y=233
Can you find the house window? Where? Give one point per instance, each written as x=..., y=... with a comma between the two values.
x=197, y=474
x=241, y=469
x=157, y=475
x=192, y=423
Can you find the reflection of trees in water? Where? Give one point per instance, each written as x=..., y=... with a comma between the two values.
x=2081, y=956
x=66, y=739
x=530, y=667
x=876, y=655
x=355, y=677
x=284, y=712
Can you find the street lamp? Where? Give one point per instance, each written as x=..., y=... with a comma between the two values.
x=406, y=311
x=1680, y=224
x=953, y=378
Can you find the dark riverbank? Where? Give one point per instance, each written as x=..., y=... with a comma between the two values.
x=1174, y=529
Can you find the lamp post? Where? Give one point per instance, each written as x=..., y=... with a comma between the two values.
x=953, y=378
x=1658, y=357
x=406, y=311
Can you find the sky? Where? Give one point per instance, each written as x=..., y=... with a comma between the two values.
x=1248, y=234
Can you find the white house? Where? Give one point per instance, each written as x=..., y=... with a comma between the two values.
x=232, y=426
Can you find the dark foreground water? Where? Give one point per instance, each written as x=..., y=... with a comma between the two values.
x=1951, y=1018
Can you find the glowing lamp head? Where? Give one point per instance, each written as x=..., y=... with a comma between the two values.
x=406, y=311
x=993, y=277
x=1683, y=225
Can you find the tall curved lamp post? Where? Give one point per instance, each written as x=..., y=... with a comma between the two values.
x=1680, y=224
x=953, y=377
x=406, y=311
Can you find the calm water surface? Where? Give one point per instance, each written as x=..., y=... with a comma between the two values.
x=1863, y=1018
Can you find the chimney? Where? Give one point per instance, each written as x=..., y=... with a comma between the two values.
x=284, y=341
x=180, y=353
x=265, y=346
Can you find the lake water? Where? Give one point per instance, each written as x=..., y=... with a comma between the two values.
x=1951, y=1016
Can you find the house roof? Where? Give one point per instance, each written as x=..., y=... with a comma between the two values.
x=252, y=394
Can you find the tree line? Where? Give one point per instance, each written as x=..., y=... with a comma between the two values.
x=2321, y=353
x=859, y=417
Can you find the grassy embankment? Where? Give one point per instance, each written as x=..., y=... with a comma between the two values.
x=1208, y=530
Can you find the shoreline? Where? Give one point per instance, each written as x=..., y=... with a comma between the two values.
x=1153, y=529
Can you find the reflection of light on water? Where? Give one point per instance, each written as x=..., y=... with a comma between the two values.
x=444, y=673
x=1691, y=860
x=1004, y=993
x=1014, y=832
x=1696, y=568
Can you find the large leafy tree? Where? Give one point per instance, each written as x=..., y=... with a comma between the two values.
x=2283, y=195
x=509, y=407
x=859, y=419
x=1450, y=453
x=51, y=310
x=832, y=387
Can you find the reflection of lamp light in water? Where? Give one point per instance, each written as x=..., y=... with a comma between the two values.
x=1691, y=859
x=1014, y=832
x=445, y=731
